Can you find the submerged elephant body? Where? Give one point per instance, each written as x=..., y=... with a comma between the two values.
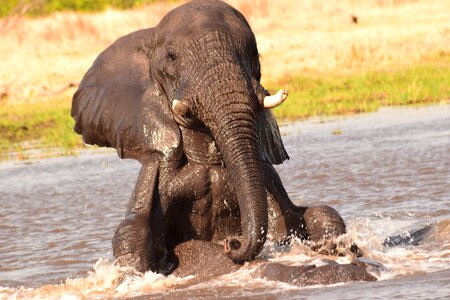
x=185, y=100
x=205, y=260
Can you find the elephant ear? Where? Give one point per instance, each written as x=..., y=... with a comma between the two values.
x=270, y=143
x=119, y=105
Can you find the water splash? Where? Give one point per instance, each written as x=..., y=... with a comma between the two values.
x=107, y=280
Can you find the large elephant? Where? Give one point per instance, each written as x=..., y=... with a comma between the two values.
x=185, y=100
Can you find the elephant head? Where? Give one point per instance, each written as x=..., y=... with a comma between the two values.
x=198, y=68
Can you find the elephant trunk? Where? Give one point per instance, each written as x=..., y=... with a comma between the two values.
x=233, y=124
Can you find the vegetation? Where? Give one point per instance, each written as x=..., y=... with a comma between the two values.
x=46, y=7
x=49, y=122
x=37, y=125
x=335, y=57
x=331, y=94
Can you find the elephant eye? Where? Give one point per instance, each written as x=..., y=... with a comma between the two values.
x=171, y=56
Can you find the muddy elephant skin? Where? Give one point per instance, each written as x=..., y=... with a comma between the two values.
x=205, y=260
x=184, y=99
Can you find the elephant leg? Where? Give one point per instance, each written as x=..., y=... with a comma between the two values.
x=324, y=224
x=284, y=222
x=189, y=208
x=135, y=245
x=287, y=219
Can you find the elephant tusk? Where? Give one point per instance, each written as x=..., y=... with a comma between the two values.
x=275, y=100
x=179, y=107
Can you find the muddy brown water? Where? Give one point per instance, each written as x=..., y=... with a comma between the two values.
x=385, y=172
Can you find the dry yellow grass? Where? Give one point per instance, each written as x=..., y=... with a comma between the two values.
x=321, y=36
x=41, y=57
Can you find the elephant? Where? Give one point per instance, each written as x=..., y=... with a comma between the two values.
x=206, y=260
x=184, y=99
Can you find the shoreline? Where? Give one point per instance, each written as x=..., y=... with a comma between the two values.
x=287, y=128
x=47, y=124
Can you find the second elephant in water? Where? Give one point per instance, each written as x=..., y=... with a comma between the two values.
x=205, y=260
x=185, y=100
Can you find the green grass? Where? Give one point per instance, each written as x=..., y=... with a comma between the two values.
x=46, y=7
x=332, y=94
x=43, y=125
x=49, y=124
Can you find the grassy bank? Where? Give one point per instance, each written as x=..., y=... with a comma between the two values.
x=46, y=7
x=331, y=94
x=48, y=123
x=27, y=126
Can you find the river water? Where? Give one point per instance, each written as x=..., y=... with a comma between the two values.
x=386, y=173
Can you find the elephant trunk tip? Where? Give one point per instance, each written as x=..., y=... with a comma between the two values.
x=241, y=248
x=231, y=244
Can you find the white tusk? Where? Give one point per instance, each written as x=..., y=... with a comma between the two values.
x=275, y=100
x=179, y=107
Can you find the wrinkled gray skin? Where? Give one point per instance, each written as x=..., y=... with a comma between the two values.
x=206, y=260
x=206, y=173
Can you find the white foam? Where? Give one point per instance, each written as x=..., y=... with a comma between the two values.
x=368, y=233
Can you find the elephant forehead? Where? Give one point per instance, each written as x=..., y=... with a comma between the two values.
x=199, y=17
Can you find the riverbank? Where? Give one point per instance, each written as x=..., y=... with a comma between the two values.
x=335, y=58
x=48, y=126
x=425, y=82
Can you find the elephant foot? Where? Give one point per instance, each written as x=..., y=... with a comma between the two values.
x=325, y=228
x=134, y=247
x=323, y=223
